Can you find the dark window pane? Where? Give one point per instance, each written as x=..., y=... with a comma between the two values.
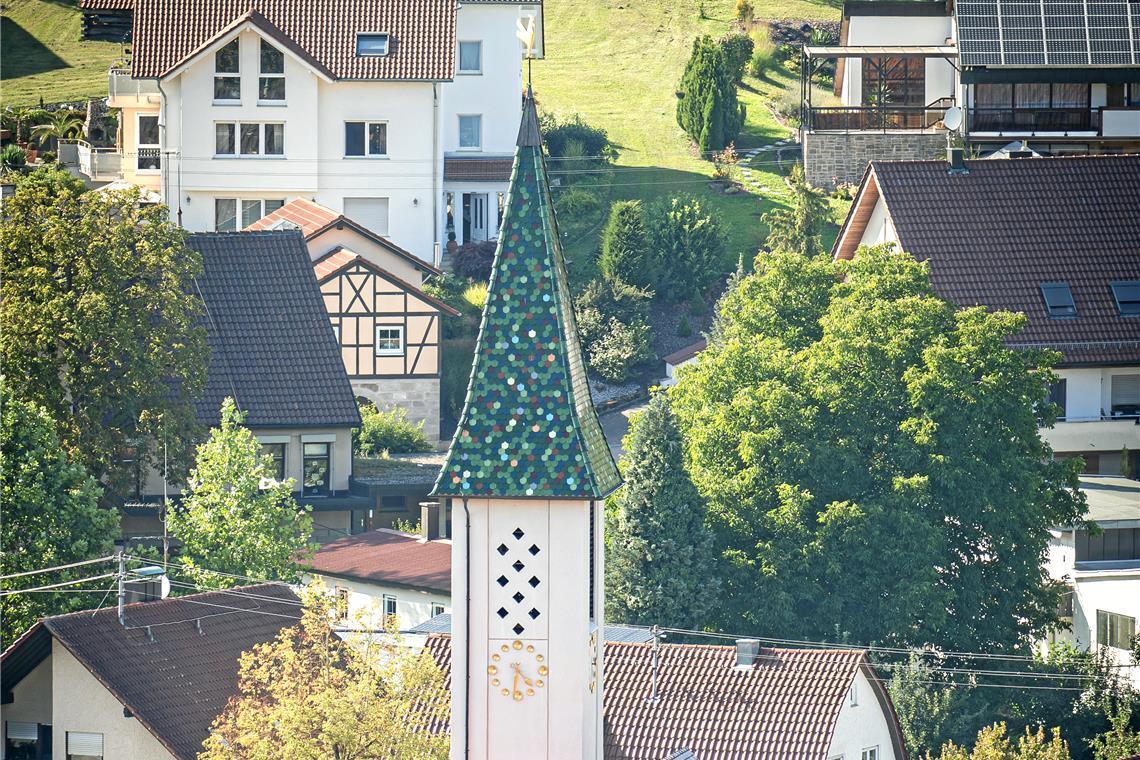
x=250, y=134
x=148, y=130
x=273, y=205
x=271, y=88
x=272, y=59
x=276, y=451
x=227, y=88
x=225, y=214
x=372, y=44
x=226, y=59
x=224, y=139
x=1058, y=396
x=250, y=212
x=993, y=95
x=274, y=139
x=1070, y=96
x=354, y=138
x=377, y=139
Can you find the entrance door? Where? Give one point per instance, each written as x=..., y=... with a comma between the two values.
x=476, y=216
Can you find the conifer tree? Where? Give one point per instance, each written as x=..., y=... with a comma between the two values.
x=798, y=229
x=659, y=563
x=708, y=109
x=625, y=246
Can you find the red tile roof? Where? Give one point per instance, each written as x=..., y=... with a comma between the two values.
x=994, y=234
x=341, y=257
x=388, y=557
x=784, y=707
x=302, y=212
x=422, y=47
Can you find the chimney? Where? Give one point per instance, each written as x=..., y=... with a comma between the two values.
x=431, y=521
x=747, y=650
x=957, y=159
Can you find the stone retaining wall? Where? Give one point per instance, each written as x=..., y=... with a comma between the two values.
x=418, y=396
x=832, y=158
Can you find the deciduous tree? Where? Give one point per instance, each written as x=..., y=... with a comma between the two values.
x=100, y=319
x=51, y=517
x=993, y=744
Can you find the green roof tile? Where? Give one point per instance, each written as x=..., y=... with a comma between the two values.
x=528, y=427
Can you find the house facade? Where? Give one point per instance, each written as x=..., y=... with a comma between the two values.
x=400, y=119
x=1004, y=72
x=1063, y=248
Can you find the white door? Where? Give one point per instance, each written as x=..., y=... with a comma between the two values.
x=478, y=216
x=368, y=212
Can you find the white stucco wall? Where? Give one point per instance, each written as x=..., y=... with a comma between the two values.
x=861, y=726
x=31, y=700
x=81, y=703
x=413, y=606
x=1111, y=591
x=899, y=30
x=1088, y=396
x=879, y=227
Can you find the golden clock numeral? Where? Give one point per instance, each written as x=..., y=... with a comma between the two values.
x=505, y=692
x=517, y=644
x=542, y=670
x=530, y=692
x=506, y=648
x=494, y=681
x=539, y=683
x=496, y=657
x=518, y=696
x=492, y=670
x=539, y=657
x=529, y=682
x=530, y=647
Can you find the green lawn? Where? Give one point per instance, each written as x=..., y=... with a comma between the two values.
x=618, y=62
x=43, y=57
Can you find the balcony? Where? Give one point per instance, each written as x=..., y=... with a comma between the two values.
x=926, y=118
x=123, y=91
x=1103, y=122
x=1102, y=434
x=96, y=164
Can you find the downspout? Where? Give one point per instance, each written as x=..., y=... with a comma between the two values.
x=467, y=631
x=436, y=190
x=163, y=157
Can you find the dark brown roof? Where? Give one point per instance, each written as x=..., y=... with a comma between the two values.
x=481, y=169
x=422, y=46
x=684, y=354
x=173, y=678
x=389, y=557
x=106, y=5
x=993, y=235
x=783, y=707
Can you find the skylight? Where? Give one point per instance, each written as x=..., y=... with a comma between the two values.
x=372, y=43
x=1058, y=299
x=1127, y=294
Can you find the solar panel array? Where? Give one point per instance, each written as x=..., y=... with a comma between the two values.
x=1048, y=32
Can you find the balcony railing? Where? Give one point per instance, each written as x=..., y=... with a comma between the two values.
x=1034, y=120
x=98, y=164
x=121, y=85
x=149, y=159
x=875, y=118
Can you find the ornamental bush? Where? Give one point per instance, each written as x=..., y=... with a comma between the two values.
x=688, y=243
x=613, y=325
x=474, y=260
x=707, y=107
x=388, y=430
x=737, y=48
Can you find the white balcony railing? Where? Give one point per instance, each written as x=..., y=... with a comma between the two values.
x=97, y=164
x=121, y=85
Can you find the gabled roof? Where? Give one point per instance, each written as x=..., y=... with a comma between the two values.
x=174, y=677
x=682, y=355
x=168, y=32
x=783, y=707
x=528, y=428
x=387, y=557
x=314, y=220
x=272, y=345
x=341, y=258
x=993, y=235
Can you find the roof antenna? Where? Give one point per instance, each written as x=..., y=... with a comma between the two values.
x=657, y=635
x=120, y=555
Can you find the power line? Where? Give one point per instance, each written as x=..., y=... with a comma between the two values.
x=183, y=568
x=57, y=567
x=11, y=592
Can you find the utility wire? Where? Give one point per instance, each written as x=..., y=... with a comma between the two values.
x=148, y=560
x=11, y=592
x=57, y=567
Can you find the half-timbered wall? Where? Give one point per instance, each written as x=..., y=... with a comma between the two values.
x=359, y=300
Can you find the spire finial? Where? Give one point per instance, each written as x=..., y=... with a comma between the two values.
x=530, y=135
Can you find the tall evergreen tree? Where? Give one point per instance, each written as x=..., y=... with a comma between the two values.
x=659, y=562
x=708, y=109
x=798, y=229
x=625, y=246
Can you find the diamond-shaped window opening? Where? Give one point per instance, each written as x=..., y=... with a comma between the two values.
x=518, y=533
x=518, y=566
x=518, y=629
x=502, y=580
x=534, y=581
x=533, y=550
x=533, y=613
x=502, y=549
x=502, y=612
x=518, y=597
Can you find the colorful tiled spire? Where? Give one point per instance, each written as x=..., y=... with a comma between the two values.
x=528, y=427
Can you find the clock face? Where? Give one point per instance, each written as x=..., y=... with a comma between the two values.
x=517, y=670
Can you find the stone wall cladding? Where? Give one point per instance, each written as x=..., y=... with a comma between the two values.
x=832, y=158
x=418, y=396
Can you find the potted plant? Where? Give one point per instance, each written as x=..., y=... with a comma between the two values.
x=452, y=246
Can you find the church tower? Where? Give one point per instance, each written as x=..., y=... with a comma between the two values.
x=526, y=474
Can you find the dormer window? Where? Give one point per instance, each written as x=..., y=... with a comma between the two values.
x=1058, y=300
x=1127, y=294
x=271, y=82
x=372, y=43
x=227, y=81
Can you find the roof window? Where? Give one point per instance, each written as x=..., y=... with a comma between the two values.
x=1127, y=294
x=372, y=43
x=1058, y=299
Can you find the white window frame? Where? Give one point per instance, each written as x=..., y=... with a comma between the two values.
x=870, y=753
x=459, y=135
x=270, y=75
x=227, y=75
x=459, y=58
x=367, y=125
x=238, y=209
x=387, y=44
x=386, y=600
x=139, y=145
x=853, y=695
x=438, y=609
x=390, y=351
x=261, y=154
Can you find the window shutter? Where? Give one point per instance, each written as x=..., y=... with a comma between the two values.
x=1125, y=390
x=23, y=731
x=79, y=743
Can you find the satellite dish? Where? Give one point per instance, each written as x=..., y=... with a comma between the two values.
x=952, y=119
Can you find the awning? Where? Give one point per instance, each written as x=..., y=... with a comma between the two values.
x=864, y=51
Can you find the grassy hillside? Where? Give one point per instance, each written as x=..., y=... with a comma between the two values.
x=618, y=62
x=43, y=56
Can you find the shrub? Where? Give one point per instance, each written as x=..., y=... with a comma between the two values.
x=745, y=12
x=625, y=246
x=613, y=324
x=707, y=107
x=620, y=348
x=577, y=201
x=449, y=288
x=388, y=431
x=592, y=141
x=689, y=244
x=684, y=329
x=765, y=55
x=475, y=297
x=737, y=48
x=47, y=157
x=474, y=260
x=13, y=157
x=725, y=164
x=456, y=357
